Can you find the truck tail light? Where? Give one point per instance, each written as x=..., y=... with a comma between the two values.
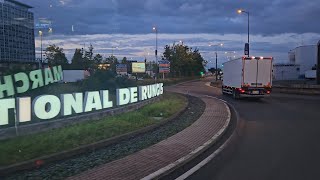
x=242, y=90
x=268, y=92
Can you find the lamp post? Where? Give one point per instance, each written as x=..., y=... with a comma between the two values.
x=230, y=54
x=216, y=45
x=247, y=12
x=113, y=50
x=40, y=34
x=155, y=29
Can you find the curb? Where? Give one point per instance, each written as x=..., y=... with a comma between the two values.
x=42, y=161
x=298, y=91
x=194, y=80
x=224, y=149
x=192, y=155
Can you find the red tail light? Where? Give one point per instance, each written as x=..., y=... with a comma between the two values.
x=242, y=90
x=268, y=92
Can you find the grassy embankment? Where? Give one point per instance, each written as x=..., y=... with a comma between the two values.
x=36, y=145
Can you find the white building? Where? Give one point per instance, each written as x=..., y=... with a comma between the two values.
x=305, y=56
x=301, y=61
x=286, y=71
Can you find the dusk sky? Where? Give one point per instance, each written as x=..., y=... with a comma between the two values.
x=276, y=26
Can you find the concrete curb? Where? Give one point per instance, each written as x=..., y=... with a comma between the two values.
x=42, y=161
x=222, y=150
x=294, y=90
x=192, y=155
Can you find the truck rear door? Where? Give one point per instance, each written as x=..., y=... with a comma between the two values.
x=264, y=72
x=250, y=69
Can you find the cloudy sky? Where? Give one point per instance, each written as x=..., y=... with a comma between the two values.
x=276, y=26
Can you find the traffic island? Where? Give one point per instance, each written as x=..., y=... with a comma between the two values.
x=119, y=148
x=164, y=157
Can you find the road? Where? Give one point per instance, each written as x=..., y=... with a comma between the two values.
x=280, y=140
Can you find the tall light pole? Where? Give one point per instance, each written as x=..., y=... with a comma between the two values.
x=113, y=50
x=216, y=45
x=40, y=34
x=247, y=12
x=230, y=54
x=155, y=29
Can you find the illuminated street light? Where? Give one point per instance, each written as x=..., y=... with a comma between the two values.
x=230, y=54
x=247, y=12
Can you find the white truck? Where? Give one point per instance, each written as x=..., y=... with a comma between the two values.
x=247, y=77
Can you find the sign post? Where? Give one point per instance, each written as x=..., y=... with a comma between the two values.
x=318, y=63
x=246, y=49
x=164, y=67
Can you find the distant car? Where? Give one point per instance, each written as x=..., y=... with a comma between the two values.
x=140, y=79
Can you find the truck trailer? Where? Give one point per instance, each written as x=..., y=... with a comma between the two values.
x=248, y=77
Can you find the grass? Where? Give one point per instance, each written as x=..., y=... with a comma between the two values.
x=36, y=145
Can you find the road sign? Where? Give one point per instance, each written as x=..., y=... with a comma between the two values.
x=164, y=66
x=246, y=49
x=121, y=68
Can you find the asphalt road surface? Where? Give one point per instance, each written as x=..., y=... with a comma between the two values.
x=281, y=139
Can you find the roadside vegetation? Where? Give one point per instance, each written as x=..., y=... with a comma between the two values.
x=36, y=145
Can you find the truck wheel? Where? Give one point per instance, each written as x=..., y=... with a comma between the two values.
x=235, y=94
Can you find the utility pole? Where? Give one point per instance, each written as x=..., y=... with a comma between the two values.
x=216, y=66
x=318, y=63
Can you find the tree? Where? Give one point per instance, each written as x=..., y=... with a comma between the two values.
x=77, y=60
x=88, y=58
x=97, y=59
x=89, y=54
x=112, y=60
x=183, y=60
x=55, y=56
x=124, y=60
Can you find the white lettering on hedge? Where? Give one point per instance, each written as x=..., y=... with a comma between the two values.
x=105, y=99
x=72, y=103
x=46, y=106
x=5, y=105
x=92, y=101
x=24, y=109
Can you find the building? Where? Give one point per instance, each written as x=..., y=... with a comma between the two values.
x=302, y=60
x=286, y=71
x=17, y=45
x=305, y=56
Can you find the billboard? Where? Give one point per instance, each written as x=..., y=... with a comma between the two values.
x=164, y=66
x=121, y=68
x=138, y=67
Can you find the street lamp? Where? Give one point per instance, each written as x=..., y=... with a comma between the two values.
x=216, y=45
x=247, y=12
x=113, y=50
x=40, y=34
x=155, y=29
x=230, y=54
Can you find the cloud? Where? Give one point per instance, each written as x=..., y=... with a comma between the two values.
x=179, y=16
x=140, y=46
x=276, y=26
